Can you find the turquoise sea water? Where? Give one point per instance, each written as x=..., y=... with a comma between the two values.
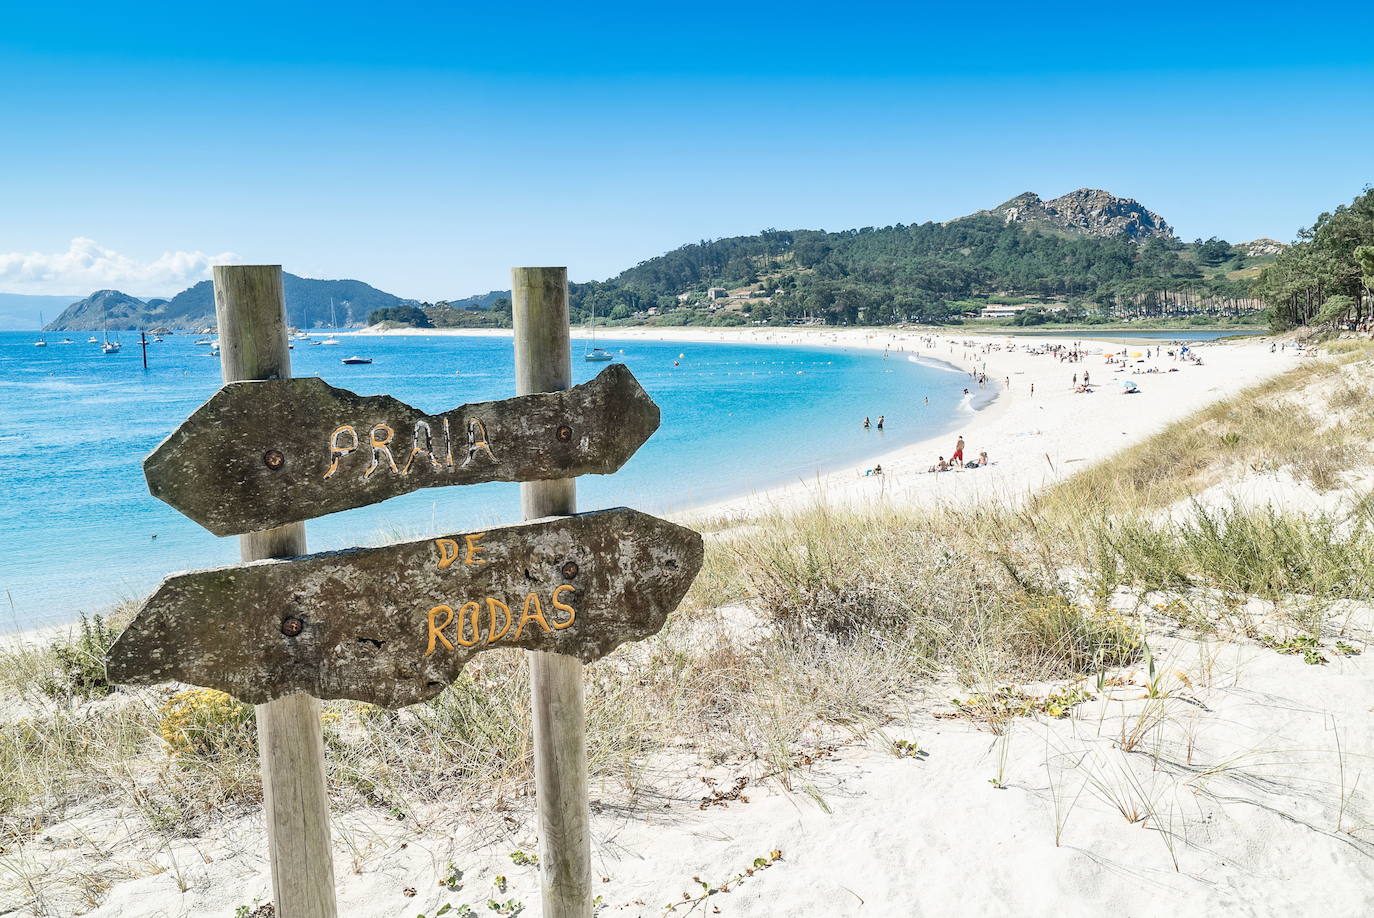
x=78, y=529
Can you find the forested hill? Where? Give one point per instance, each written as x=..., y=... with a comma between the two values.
x=307, y=302
x=926, y=271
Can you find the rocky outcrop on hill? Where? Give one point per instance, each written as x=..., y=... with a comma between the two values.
x=1087, y=212
x=1260, y=247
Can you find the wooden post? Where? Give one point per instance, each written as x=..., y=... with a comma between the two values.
x=251, y=312
x=543, y=363
x=143, y=341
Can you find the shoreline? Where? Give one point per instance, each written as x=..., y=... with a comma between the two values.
x=1033, y=438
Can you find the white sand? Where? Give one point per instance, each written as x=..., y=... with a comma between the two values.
x=1256, y=803
x=1032, y=439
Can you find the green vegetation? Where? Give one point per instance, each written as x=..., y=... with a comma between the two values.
x=928, y=272
x=411, y=316
x=1328, y=277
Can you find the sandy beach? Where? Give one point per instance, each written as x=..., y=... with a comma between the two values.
x=1036, y=430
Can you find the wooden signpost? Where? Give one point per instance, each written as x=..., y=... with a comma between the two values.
x=395, y=625
x=262, y=454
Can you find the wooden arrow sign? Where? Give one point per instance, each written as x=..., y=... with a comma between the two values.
x=264, y=453
x=393, y=626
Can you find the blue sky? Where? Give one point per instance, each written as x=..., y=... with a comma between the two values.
x=426, y=148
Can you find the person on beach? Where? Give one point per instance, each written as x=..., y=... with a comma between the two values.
x=958, y=455
x=866, y=424
x=881, y=419
x=983, y=459
x=1085, y=379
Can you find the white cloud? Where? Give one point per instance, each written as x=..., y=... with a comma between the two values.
x=88, y=266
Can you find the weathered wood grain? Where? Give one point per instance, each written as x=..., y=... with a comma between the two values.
x=265, y=453
x=543, y=363
x=362, y=623
x=250, y=310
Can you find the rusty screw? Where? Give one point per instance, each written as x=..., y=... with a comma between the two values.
x=292, y=626
x=570, y=570
x=273, y=459
x=564, y=433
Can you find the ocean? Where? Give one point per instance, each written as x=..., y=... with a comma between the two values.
x=79, y=531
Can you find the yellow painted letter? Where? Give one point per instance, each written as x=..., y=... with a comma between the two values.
x=338, y=450
x=448, y=552
x=563, y=606
x=532, y=600
x=492, y=634
x=436, y=632
x=473, y=549
x=463, y=616
x=380, y=436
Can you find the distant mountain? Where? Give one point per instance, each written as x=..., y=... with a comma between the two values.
x=481, y=300
x=26, y=311
x=105, y=308
x=307, y=306
x=1085, y=212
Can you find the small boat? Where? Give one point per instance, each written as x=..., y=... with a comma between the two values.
x=596, y=354
x=157, y=338
x=109, y=347
x=67, y=341
x=333, y=322
x=41, y=342
x=205, y=341
x=92, y=340
x=355, y=360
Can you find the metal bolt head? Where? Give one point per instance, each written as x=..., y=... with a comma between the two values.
x=564, y=433
x=273, y=459
x=292, y=626
x=570, y=570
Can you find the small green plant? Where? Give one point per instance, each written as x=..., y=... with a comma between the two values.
x=708, y=889
x=265, y=910
x=1347, y=650
x=80, y=663
x=524, y=859
x=509, y=907
x=1006, y=702
x=1305, y=644
x=905, y=749
x=453, y=880
x=445, y=909
x=499, y=883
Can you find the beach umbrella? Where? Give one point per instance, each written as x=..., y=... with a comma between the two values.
x=1128, y=384
x=1137, y=354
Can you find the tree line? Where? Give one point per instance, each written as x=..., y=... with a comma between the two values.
x=1327, y=278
